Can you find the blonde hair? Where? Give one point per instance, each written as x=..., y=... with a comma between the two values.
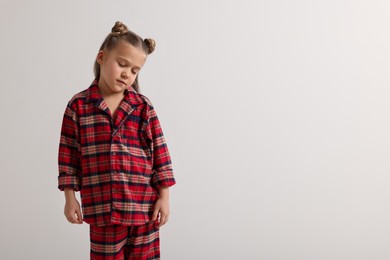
x=120, y=32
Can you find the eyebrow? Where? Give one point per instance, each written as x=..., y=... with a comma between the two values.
x=129, y=62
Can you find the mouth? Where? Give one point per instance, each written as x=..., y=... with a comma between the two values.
x=121, y=82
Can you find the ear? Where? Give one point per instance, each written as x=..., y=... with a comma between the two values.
x=99, y=57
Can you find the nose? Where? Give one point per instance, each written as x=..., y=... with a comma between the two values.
x=125, y=75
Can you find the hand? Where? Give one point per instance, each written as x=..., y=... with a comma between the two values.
x=161, y=208
x=72, y=211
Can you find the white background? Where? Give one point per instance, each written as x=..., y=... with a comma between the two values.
x=276, y=115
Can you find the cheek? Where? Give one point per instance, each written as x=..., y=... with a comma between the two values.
x=115, y=69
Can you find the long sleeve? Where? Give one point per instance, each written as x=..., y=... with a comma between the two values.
x=69, y=152
x=162, y=165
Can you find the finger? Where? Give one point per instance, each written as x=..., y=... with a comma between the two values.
x=160, y=223
x=69, y=218
x=73, y=217
x=163, y=220
x=155, y=213
x=67, y=215
x=79, y=216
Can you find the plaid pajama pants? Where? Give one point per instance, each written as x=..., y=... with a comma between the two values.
x=118, y=242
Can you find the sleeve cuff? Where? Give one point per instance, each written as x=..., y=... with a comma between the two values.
x=163, y=179
x=68, y=181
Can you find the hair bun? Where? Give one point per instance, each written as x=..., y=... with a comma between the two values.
x=150, y=44
x=119, y=28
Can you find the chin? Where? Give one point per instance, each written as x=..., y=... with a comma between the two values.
x=118, y=89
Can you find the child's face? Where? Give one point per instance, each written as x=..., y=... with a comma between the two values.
x=119, y=67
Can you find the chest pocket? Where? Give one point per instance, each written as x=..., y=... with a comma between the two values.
x=134, y=141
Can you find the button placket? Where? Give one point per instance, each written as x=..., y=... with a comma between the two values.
x=114, y=191
x=115, y=171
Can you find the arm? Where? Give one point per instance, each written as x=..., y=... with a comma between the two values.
x=162, y=177
x=162, y=165
x=69, y=165
x=69, y=152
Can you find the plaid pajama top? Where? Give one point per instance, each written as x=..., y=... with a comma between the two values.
x=116, y=164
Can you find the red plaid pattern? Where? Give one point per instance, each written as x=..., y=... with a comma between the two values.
x=124, y=243
x=116, y=164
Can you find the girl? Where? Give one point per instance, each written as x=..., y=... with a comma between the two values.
x=112, y=149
